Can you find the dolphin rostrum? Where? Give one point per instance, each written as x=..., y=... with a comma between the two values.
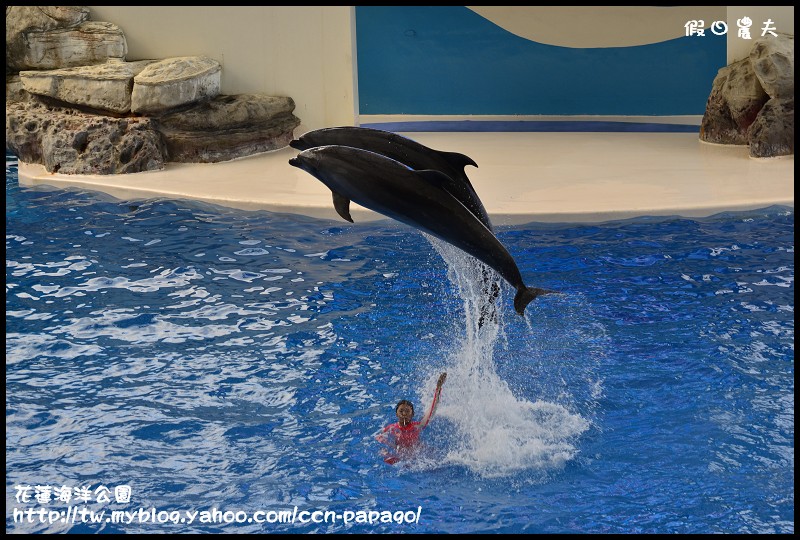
x=415, y=198
x=406, y=151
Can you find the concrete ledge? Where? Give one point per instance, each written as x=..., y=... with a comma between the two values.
x=522, y=177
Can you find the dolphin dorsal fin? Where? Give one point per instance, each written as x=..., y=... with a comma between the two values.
x=434, y=177
x=342, y=206
x=459, y=161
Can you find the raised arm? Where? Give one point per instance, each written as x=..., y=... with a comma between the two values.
x=427, y=418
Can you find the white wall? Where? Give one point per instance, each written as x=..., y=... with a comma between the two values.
x=304, y=52
x=738, y=48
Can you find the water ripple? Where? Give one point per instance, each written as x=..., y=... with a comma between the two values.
x=214, y=357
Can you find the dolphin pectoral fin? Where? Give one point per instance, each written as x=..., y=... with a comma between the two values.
x=342, y=206
x=525, y=295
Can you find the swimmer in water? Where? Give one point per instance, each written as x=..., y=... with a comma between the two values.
x=402, y=437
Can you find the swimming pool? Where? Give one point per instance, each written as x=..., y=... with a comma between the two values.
x=212, y=358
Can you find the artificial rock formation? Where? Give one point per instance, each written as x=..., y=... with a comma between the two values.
x=68, y=141
x=174, y=82
x=25, y=22
x=752, y=100
x=106, y=87
x=227, y=127
x=75, y=105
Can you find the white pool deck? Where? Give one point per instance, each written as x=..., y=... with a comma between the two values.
x=522, y=177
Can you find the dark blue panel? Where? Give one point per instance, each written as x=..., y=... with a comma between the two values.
x=533, y=126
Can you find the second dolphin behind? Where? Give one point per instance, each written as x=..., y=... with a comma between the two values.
x=406, y=151
x=416, y=198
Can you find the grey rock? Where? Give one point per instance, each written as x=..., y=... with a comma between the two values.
x=21, y=20
x=67, y=141
x=87, y=44
x=773, y=63
x=106, y=86
x=175, y=82
x=772, y=133
x=735, y=100
x=77, y=107
x=15, y=92
x=752, y=100
x=228, y=127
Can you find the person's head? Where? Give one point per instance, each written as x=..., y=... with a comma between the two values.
x=404, y=412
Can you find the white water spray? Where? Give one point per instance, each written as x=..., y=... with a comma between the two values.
x=496, y=433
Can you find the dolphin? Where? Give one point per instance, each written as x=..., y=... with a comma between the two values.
x=416, y=198
x=407, y=151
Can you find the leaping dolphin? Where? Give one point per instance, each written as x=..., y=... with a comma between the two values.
x=406, y=151
x=416, y=198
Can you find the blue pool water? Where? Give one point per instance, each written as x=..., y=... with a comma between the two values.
x=243, y=361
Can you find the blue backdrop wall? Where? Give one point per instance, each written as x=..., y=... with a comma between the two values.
x=449, y=60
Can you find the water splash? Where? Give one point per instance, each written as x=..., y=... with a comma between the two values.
x=494, y=432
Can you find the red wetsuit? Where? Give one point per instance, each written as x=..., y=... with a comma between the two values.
x=403, y=439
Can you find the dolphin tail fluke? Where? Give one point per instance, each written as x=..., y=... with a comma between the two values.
x=342, y=206
x=525, y=295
